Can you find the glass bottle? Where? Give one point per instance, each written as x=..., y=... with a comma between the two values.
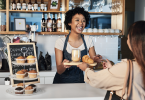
x=29, y=5
x=36, y=6
x=24, y=5
x=13, y=5
x=18, y=5
x=53, y=23
x=59, y=24
x=49, y=23
x=43, y=23
x=42, y=6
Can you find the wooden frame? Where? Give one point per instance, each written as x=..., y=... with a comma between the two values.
x=50, y=5
x=22, y=20
x=10, y=57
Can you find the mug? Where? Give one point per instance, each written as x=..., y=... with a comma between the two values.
x=85, y=30
x=76, y=55
x=89, y=30
x=95, y=30
x=112, y=31
x=106, y=31
x=101, y=30
x=117, y=31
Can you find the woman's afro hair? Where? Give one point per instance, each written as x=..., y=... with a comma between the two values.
x=78, y=10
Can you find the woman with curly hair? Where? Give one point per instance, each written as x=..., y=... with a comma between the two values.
x=75, y=21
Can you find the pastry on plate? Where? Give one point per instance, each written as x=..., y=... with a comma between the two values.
x=20, y=59
x=26, y=72
x=19, y=90
x=31, y=59
x=32, y=74
x=87, y=59
x=34, y=87
x=29, y=90
x=20, y=74
x=20, y=85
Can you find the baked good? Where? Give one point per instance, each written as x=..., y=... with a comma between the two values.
x=87, y=59
x=20, y=59
x=20, y=85
x=30, y=59
x=29, y=90
x=26, y=72
x=34, y=87
x=19, y=90
x=20, y=74
x=32, y=74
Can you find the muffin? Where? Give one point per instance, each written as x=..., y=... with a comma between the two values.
x=30, y=59
x=34, y=87
x=20, y=74
x=32, y=74
x=29, y=90
x=20, y=85
x=19, y=90
x=26, y=72
x=20, y=59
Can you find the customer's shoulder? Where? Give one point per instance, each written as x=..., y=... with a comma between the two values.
x=61, y=39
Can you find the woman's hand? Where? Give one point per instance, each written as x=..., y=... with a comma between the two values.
x=83, y=66
x=107, y=64
x=66, y=61
x=97, y=58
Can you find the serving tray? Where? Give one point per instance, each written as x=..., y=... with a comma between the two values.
x=77, y=63
x=25, y=78
x=15, y=63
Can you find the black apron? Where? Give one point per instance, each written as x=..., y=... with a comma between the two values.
x=72, y=74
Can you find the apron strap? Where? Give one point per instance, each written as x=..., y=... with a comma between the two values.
x=84, y=43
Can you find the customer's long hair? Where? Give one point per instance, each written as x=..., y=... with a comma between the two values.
x=137, y=41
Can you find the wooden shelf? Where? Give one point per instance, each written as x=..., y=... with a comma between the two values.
x=105, y=13
x=26, y=11
x=86, y=33
x=2, y=10
x=57, y=33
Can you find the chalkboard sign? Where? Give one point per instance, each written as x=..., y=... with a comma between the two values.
x=14, y=51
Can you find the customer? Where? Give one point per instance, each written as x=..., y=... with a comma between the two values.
x=112, y=78
x=75, y=20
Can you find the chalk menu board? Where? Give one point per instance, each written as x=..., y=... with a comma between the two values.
x=14, y=51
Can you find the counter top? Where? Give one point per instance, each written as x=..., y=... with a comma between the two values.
x=77, y=91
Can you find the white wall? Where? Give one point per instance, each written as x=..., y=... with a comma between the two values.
x=106, y=46
x=139, y=10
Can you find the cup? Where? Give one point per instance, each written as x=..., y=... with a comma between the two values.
x=76, y=55
x=112, y=31
x=95, y=30
x=106, y=31
x=89, y=30
x=101, y=30
x=117, y=31
x=85, y=30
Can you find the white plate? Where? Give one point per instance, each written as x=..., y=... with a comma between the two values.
x=25, y=78
x=15, y=63
x=12, y=92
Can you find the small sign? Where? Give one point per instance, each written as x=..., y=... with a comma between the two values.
x=14, y=51
x=53, y=5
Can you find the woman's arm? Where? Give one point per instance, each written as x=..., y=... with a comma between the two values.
x=92, y=52
x=59, y=61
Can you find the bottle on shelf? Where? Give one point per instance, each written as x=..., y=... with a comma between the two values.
x=24, y=5
x=42, y=5
x=36, y=6
x=49, y=23
x=43, y=23
x=59, y=24
x=29, y=5
x=53, y=23
x=13, y=5
x=18, y=5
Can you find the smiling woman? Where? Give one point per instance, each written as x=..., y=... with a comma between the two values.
x=75, y=21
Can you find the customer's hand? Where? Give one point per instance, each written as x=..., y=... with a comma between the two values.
x=97, y=58
x=107, y=64
x=66, y=61
x=83, y=66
